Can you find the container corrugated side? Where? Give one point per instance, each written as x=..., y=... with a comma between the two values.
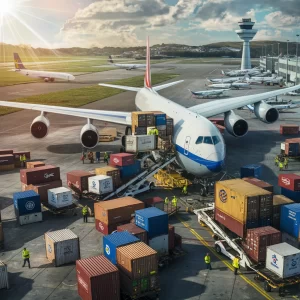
x=251, y=171
x=259, y=183
x=62, y=235
x=97, y=278
x=289, y=181
x=278, y=201
x=135, y=230
x=107, y=228
x=79, y=179
x=290, y=219
x=4, y=284
x=27, y=202
x=293, y=195
x=137, y=260
x=121, y=159
x=30, y=218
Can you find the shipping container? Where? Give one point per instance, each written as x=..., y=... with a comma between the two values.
x=289, y=181
x=137, y=260
x=39, y=175
x=30, y=218
x=1, y=236
x=121, y=159
x=62, y=247
x=278, y=201
x=251, y=171
x=97, y=279
x=286, y=238
x=100, y=184
x=79, y=179
x=138, y=232
x=160, y=244
x=112, y=131
x=262, y=184
x=140, y=130
x=106, y=229
x=34, y=164
x=7, y=167
x=4, y=284
x=293, y=195
x=178, y=240
x=17, y=157
x=289, y=129
x=60, y=197
x=142, y=119
x=113, y=172
x=169, y=130
x=161, y=127
x=42, y=189
x=284, y=260
x=169, y=121
x=290, y=219
x=27, y=202
x=153, y=220
x=113, y=241
x=155, y=202
x=127, y=172
x=7, y=159
x=117, y=210
x=292, y=147
x=258, y=239
x=160, y=118
x=6, y=151
x=171, y=237
x=140, y=143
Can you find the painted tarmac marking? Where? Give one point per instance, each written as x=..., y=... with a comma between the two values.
x=201, y=239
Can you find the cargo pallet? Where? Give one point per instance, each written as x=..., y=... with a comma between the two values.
x=61, y=210
x=170, y=179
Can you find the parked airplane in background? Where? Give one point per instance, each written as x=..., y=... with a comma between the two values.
x=254, y=71
x=279, y=107
x=127, y=66
x=208, y=94
x=265, y=80
x=234, y=85
x=47, y=76
x=225, y=80
x=199, y=145
x=292, y=94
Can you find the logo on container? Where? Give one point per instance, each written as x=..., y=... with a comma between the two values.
x=274, y=261
x=106, y=184
x=107, y=249
x=48, y=175
x=293, y=263
x=49, y=249
x=29, y=205
x=223, y=196
x=285, y=181
x=101, y=226
x=115, y=160
x=94, y=184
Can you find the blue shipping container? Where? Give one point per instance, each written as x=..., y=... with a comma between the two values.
x=27, y=202
x=293, y=195
x=112, y=241
x=130, y=171
x=251, y=171
x=290, y=219
x=160, y=119
x=293, y=149
x=153, y=220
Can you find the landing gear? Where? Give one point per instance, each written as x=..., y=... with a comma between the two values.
x=206, y=186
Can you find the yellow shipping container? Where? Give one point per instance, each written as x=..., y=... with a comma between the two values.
x=106, y=171
x=234, y=197
x=281, y=200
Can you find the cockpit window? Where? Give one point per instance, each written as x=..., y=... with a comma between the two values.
x=199, y=140
x=208, y=140
x=216, y=140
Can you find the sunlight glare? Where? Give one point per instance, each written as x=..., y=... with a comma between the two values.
x=6, y=6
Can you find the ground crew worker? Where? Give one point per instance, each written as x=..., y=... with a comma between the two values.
x=26, y=256
x=85, y=214
x=174, y=201
x=151, y=131
x=21, y=161
x=155, y=131
x=91, y=157
x=184, y=190
x=167, y=201
x=83, y=157
x=98, y=156
x=276, y=160
x=207, y=261
x=286, y=162
x=280, y=166
x=105, y=158
x=236, y=264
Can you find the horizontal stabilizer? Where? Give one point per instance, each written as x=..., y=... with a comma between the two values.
x=121, y=87
x=164, y=86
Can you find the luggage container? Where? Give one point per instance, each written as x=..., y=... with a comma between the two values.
x=39, y=175
x=155, y=202
x=161, y=127
x=26, y=203
x=153, y=220
x=289, y=129
x=137, y=260
x=284, y=260
x=106, y=229
x=100, y=184
x=79, y=179
x=127, y=172
x=160, y=244
x=4, y=284
x=278, y=201
x=113, y=172
x=6, y=151
x=160, y=118
x=293, y=195
x=292, y=147
x=7, y=159
x=251, y=171
x=290, y=219
x=62, y=247
x=140, y=143
x=171, y=237
x=286, y=238
x=289, y=181
x=60, y=197
x=121, y=159
x=34, y=164
x=117, y=210
x=30, y=218
x=138, y=232
x=259, y=183
x=113, y=241
x=162, y=133
x=97, y=278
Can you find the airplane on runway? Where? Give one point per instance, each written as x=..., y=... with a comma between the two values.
x=127, y=66
x=235, y=85
x=225, y=80
x=254, y=71
x=199, y=145
x=47, y=76
x=211, y=93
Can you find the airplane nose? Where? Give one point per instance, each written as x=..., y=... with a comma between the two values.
x=215, y=162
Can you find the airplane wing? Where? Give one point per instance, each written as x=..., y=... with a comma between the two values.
x=123, y=118
x=213, y=108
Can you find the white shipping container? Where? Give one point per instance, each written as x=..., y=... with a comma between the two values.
x=160, y=244
x=62, y=247
x=139, y=143
x=4, y=284
x=283, y=259
x=31, y=218
x=60, y=197
x=100, y=184
x=282, y=146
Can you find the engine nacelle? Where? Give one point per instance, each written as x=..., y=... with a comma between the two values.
x=89, y=136
x=266, y=112
x=235, y=124
x=39, y=127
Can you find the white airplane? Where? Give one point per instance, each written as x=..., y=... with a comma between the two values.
x=199, y=145
x=266, y=80
x=225, y=80
x=254, y=71
x=47, y=76
x=292, y=94
x=127, y=66
x=234, y=85
x=211, y=93
x=279, y=107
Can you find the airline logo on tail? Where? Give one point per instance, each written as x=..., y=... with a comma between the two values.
x=147, y=81
x=18, y=63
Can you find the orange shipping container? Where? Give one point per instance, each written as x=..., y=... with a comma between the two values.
x=110, y=171
x=137, y=260
x=289, y=129
x=117, y=210
x=34, y=164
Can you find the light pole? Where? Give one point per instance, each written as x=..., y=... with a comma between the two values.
x=272, y=60
x=278, y=49
x=296, y=80
x=287, y=60
x=278, y=61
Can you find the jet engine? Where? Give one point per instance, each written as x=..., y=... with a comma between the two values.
x=265, y=112
x=89, y=136
x=235, y=124
x=39, y=127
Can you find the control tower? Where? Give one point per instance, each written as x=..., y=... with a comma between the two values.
x=246, y=33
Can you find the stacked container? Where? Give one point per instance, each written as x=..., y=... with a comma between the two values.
x=60, y=197
x=112, y=213
x=113, y=172
x=40, y=175
x=97, y=278
x=140, y=143
x=155, y=222
x=290, y=220
x=292, y=147
x=262, y=184
x=278, y=201
x=34, y=164
x=121, y=159
x=79, y=180
x=62, y=247
x=289, y=129
x=169, y=125
x=290, y=186
x=141, y=120
x=17, y=157
x=286, y=238
x=138, y=232
x=155, y=202
x=161, y=123
x=251, y=171
x=100, y=184
x=7, y=162
x=4, y=284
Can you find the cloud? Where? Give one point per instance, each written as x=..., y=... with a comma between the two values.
x=283, y=21
x=268, y=34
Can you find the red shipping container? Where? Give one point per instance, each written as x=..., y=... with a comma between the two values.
x=42, y=189
x=289, y=129
x=97, y=279
x=289, y=181
x=219, y=121
x=6, y=151
x=155, y=202
x=7, y=159
x=135, y=230
x=171, y=237
x=18, y=153
x=39, y=175
x=121, y=159
x=262, y=184
x=79, y=179
x=107, y=228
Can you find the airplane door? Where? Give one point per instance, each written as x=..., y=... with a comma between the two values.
x=187, y=145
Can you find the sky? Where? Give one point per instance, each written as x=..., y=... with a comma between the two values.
x=89, y=23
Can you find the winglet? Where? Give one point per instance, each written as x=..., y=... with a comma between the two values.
x=147, y=80
x=18, y=63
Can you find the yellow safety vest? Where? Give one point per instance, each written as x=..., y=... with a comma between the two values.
x=84, y=211
x=24, y=157
x=167, y=200
x=105, y=155
x=155, y=131
x=207, y=259
x=25, y=254
x=174, y=201
x=21, y=158
x=280, y=164
x=235, y=263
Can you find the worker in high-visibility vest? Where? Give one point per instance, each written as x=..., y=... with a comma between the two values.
x=280, y=166
x=85, y=214
x=236, y=264
x=26, y=256
x=276, y=160
x=151, y=131
x=286, y=162
x=167, y=200
x=174, y=201
x=184, y=190
x=155, y=131
x=21, y=161
x=105, y=158
x=207, y=261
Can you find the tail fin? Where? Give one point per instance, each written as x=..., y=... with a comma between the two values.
x=222, y=72
x=18, y=63
x=110, y=60
x=147, y=80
